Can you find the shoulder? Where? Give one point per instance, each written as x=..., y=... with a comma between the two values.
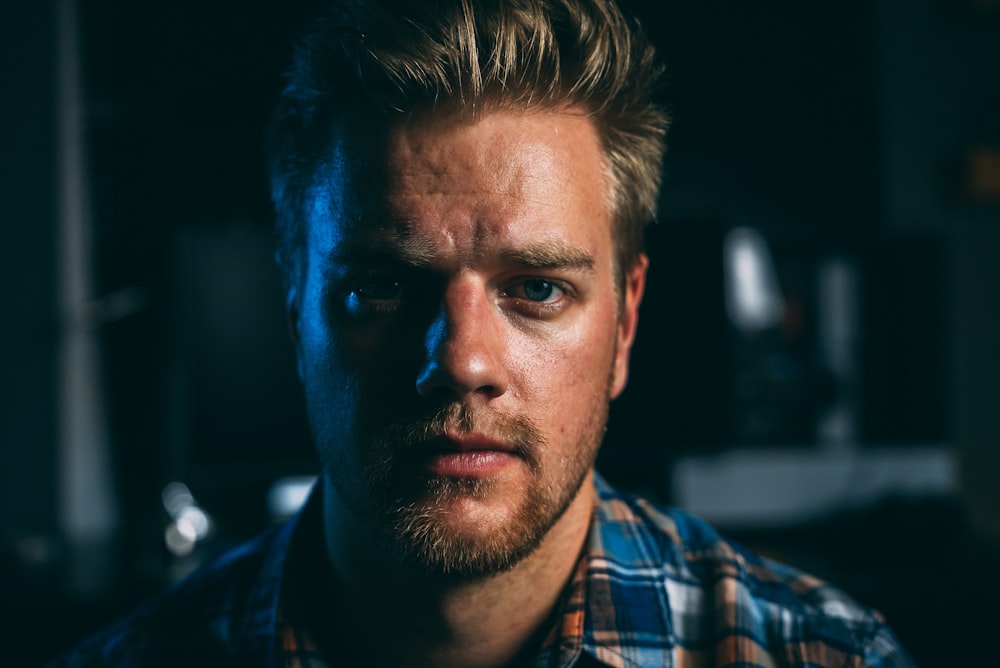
x=720, y=595
x=200, y=619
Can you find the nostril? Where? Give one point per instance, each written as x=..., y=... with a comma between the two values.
x=429, y=383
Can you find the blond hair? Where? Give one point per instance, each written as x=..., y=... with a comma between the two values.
x=396, y=58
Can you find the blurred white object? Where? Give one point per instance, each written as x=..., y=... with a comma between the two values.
x=190, y=524
x=287, y=495
x=838, y=336
x=778, y=487
x=753, y=297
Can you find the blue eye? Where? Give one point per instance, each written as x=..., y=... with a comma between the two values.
x=538, y=290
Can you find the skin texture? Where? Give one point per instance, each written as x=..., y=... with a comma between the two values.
x=459, y=338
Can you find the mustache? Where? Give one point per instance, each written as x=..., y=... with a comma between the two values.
x=458, y=418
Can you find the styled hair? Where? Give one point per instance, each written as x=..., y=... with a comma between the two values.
x=392, y=59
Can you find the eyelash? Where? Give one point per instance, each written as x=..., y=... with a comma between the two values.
x=358, y=306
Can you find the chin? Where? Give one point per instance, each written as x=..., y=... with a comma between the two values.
x=469, y=528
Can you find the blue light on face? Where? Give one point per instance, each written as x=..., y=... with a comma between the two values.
x=374, y=296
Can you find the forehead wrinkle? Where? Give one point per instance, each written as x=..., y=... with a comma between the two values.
x=402, y=245
x=407, y=185
x=437, y=169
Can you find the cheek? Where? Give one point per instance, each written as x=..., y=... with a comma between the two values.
x=330, y=372
x=342, y=347
x=368, y=375
x=569, y=371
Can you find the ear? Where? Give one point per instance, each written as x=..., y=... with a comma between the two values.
x=628, y=320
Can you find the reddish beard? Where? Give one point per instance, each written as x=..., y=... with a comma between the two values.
x=413, y=506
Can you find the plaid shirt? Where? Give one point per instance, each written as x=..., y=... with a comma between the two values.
x=654, y=587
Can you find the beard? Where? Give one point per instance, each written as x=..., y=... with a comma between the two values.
x=413, y=515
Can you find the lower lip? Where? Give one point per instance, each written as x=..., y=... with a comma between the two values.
x=470, y=464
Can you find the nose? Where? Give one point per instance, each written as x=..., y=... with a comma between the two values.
x=464, y=346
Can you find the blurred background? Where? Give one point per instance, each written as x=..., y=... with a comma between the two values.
x=814, y=374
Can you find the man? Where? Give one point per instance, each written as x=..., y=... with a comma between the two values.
x=461, y=191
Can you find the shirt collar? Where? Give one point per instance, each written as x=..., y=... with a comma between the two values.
x=618, y=610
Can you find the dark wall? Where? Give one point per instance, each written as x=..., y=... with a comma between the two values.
x=28, y=190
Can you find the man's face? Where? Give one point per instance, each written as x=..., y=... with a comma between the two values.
x=459, y=332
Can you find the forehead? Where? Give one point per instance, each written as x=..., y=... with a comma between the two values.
x=510, y=154
x=455, y=184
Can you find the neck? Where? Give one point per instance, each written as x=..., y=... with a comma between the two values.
x=495, y=620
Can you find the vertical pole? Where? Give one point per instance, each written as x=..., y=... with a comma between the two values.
x=87, y=505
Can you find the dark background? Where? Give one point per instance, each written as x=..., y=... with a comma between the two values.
x=864, y=131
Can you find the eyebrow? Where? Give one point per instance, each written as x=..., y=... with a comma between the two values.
x=376, y=248
x=418, y=253
x=549, y=256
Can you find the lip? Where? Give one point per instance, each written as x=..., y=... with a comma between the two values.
x=452, y=442
x=469, y=463
x=469, y=456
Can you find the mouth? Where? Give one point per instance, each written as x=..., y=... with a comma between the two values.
x=469, y=455
x=453, y=441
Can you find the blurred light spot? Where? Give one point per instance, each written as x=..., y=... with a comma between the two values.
x=190, y=524
x=198, y=522
x=287, y=495
x=176, y=497
x=177, y=541
x=753, y=298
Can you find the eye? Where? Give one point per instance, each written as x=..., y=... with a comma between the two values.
x=373, y=295
x=537, y=290
x=378, y=289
